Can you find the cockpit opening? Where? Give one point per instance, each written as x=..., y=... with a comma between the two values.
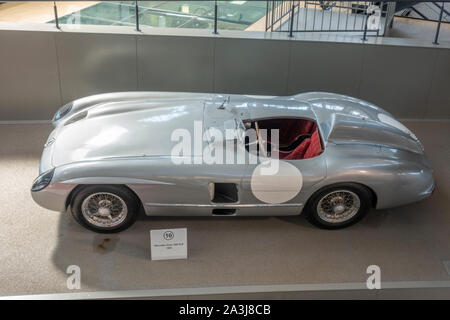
x=298, y=138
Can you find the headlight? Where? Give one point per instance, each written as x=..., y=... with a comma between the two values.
x=65, y=109
x=43, y=180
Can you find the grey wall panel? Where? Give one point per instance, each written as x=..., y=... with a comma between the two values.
x=251, y=66
x=175, y=63
x=439, y=95
x=322, y=66
x=95, y=63
x=40, y=70
x=397, y=78
x=29, y=87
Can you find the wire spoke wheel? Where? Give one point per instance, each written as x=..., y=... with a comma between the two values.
x=104, y=209
x=338, y=206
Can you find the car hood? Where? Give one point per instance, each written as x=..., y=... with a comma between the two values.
x=124, y=129
x=133, y=97
x=345, y=120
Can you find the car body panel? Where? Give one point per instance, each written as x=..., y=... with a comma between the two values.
x=94, y=101
x=127, y=139
x=105, y=134
x=396, y=177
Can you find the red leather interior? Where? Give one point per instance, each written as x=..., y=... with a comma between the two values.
x=315, y=147
x=289, y=129
x=299, y=152
x=283, y=154
x=308, y=127
x=292, y=131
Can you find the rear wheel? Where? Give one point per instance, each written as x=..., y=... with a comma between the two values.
x=105, y=209
x=338, y=206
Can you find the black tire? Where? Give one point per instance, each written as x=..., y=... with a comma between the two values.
x=128, y=197
x=312, y=211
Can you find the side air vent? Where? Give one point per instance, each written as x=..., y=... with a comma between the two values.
x=223, y=212
x=223, y=192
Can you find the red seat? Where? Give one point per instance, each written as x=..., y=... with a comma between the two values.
x=299, y=152
x=282, y=154
x=308, y=127
x=293, y=129
x=315, y=147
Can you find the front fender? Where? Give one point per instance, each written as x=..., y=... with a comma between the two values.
x=54, y=196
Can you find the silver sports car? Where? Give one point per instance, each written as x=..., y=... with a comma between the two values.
x=330, y=156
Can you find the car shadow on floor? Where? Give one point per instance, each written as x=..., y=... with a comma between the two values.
x=124, y=251
x=229, y=246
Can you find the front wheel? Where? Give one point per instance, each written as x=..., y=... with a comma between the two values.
x=338, y=206
x=105, y=209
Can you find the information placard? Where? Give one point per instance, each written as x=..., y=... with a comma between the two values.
x=168, y=244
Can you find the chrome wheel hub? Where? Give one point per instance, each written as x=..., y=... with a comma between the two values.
x=104, y=212
x=338, y=209
x=338, y=206
x=104, y=209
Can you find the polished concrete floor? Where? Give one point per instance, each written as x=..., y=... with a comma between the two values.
x=410, y=243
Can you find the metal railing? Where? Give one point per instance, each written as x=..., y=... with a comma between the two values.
x=436, y=37
x=277, y=11
x=313, y=16
x=324, y=16
x=138, y=11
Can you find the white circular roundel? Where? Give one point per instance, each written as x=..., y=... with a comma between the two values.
x=394, y=123
x=276, y=181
